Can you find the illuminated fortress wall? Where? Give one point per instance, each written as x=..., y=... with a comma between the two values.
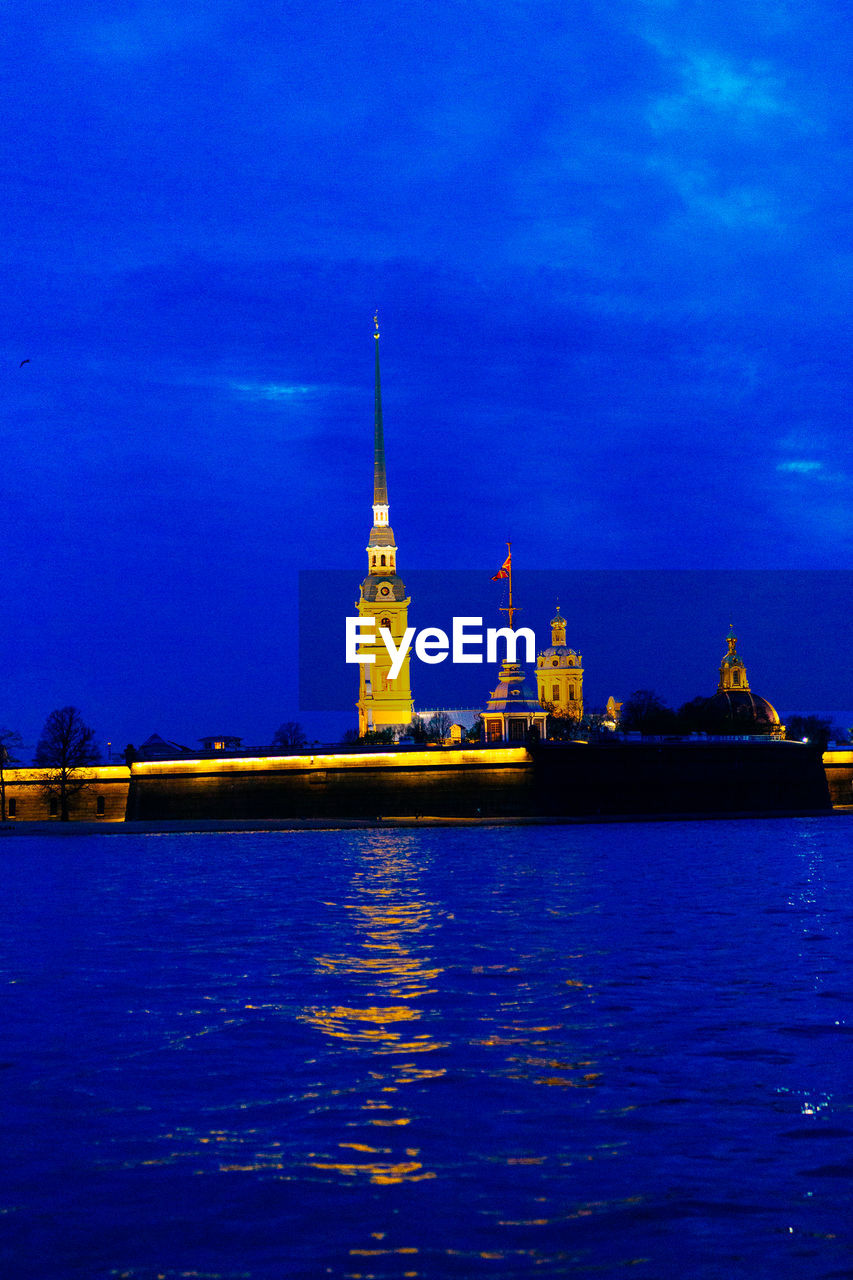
x=551, y=780
x=104, y=799
x=454, y=783
x=839, y=775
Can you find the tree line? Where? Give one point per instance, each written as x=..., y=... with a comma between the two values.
x=646, y=712
x=67, y=748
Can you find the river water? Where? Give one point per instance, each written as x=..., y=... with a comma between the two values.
x=601, y=1050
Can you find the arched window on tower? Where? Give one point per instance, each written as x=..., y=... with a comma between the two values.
x=385, y=622
x=735, y=676
x=382, y=561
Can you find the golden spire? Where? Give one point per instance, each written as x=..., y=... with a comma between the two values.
x=380, y=484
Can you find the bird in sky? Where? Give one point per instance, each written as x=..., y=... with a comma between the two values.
x=23, y=362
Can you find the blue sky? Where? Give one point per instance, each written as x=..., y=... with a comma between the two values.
x=610, y=245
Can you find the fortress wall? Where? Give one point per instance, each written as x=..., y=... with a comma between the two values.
x=111, y=782
x=839, y=775
x=552, y=779
x=697, y=777
x=442, y=787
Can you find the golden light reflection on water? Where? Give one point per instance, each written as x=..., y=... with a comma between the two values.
x=388, y=962
x=516, y=1031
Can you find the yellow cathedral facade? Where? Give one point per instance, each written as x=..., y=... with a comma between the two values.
x=559, y=673
x=382, y=702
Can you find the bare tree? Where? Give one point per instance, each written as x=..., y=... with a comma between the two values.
x=475, y=733
x=290, y=734
x=10, y=740
x=646, y=712
x=66, y=748
x=563, y=724
x=418, y=729
x=438, y=727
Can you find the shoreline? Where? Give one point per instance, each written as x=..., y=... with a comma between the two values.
x=207, y=826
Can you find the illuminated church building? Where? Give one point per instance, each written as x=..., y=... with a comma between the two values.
x=559, y=673
x=513, y=709
x=734, y=706
x=382, y=703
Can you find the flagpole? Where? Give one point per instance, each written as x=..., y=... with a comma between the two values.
x=507, y=564
x=509, y=558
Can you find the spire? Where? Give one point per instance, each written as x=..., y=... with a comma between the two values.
x=381, y=549
x=380, y=485
x=558, y=629
x=732, y=668
x=383, y=702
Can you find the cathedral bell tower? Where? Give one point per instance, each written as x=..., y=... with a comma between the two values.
x=382, y=703
x=559, y=673
x=732, y=668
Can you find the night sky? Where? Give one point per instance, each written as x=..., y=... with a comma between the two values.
x=610, y=247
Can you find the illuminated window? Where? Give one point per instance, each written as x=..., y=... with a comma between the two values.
x=493, y=730
x=13, y=806
x=99, y=807
x=386, y=622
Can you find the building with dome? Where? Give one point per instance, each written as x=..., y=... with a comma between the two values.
x=513, y=711
x=735, y=709
x=559, y=673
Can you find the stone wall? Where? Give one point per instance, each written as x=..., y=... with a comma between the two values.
x=446, y=782
x=559, y=780
x=551, y=779
x=839, y=775
x=26, y=796
x=652, y=776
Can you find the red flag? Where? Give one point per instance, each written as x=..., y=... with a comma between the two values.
x=503, y=572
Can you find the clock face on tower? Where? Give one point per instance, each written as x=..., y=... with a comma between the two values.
x=384, y=590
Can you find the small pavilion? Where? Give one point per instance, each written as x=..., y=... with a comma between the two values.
x=513, y=711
